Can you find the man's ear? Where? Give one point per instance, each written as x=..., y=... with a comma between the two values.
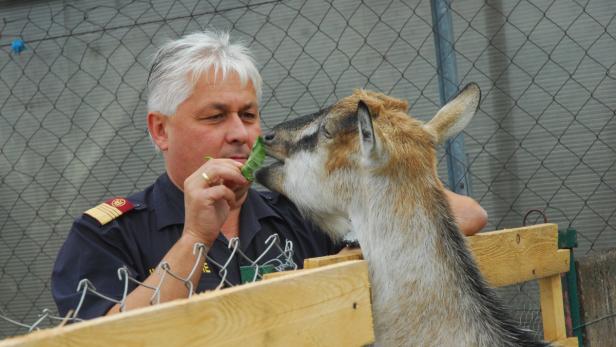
x=157, y=127
x=369, y=144
x=456, y=114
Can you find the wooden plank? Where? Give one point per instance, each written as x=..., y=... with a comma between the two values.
x=552, y=308
x=568, y=342
x=518, y=255
x=353, y=254
x=329, y=306
x=271, y=275
x=597, y=293
x=504, y=257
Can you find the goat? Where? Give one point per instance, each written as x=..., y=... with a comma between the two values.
x=365, y=164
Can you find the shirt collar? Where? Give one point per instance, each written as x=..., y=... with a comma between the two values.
x=253, y=211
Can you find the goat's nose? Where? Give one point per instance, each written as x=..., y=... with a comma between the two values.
x=269, y=137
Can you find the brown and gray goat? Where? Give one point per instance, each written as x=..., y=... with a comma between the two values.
x=364, y=164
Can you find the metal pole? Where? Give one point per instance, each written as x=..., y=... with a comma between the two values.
x=448, y=88
x=568, y=240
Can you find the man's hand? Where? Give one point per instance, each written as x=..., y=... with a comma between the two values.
x=207, y=203
x=209, y=198
x=468, y=214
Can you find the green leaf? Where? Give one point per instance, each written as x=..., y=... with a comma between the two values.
x=255, y=160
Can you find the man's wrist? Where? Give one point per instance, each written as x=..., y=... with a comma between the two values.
x=190, y=239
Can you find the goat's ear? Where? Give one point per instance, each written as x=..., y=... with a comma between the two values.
x=456, y=114
x=368, y=140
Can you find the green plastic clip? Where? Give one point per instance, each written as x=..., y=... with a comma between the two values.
x=247, y=273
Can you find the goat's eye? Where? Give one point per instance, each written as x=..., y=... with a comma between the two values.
x=326, y=132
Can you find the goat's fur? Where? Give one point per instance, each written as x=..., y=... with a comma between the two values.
x=364, y=164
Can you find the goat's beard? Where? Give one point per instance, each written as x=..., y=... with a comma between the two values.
x=335, y=224
x=271, y=177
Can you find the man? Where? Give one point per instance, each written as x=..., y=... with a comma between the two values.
x=203, y=102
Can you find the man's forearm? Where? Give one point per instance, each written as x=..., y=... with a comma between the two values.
x=181, y=261
x=469, y=215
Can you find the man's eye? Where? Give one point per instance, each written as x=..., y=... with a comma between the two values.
x=249, y=115
x=214, y=117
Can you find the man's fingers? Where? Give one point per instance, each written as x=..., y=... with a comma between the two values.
x=211, y=175
x=223, y=162
x=224, y=173
x=220, y=192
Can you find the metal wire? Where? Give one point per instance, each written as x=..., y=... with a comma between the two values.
x=86, y=287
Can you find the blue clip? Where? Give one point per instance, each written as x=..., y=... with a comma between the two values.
x=18, y=45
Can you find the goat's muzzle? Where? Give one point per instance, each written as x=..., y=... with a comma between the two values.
x=271, y=176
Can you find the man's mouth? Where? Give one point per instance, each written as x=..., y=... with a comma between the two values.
x=241, y=159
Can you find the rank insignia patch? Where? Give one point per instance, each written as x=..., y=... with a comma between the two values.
x=110, y=210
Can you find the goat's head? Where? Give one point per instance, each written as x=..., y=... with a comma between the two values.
x=329, y=161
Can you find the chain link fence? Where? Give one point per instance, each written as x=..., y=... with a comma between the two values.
x=72, y=106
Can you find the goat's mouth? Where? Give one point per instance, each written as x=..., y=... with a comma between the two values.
x=278, y=156
x=277, y=162
x=278, y=159
x=272, y=176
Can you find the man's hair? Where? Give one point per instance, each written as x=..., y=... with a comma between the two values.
x=179, y=64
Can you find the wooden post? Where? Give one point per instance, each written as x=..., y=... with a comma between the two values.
x=597, y=290
x=552, y=309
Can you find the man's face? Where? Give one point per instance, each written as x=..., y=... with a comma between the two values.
x=219, y=119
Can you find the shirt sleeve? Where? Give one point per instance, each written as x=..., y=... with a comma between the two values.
x=94, y=253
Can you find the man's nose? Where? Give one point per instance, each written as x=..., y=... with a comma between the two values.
x=237, y=130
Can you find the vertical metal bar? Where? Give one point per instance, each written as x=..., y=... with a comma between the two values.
x=567, y=239
x=448, y=88
x=574, y=301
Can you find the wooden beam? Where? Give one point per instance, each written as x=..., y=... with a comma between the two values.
x=353, y=254
x=552, y=309
x=504, y=257
x=270, y=275
x=329, y=306
x=518, y=255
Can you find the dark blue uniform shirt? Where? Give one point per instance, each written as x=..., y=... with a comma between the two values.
x=140, y=238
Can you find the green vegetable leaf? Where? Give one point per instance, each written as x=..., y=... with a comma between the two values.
x=255, y=160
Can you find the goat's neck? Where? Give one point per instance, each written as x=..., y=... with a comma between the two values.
x=412, y=260
x=422, y=276
x=405, y=236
